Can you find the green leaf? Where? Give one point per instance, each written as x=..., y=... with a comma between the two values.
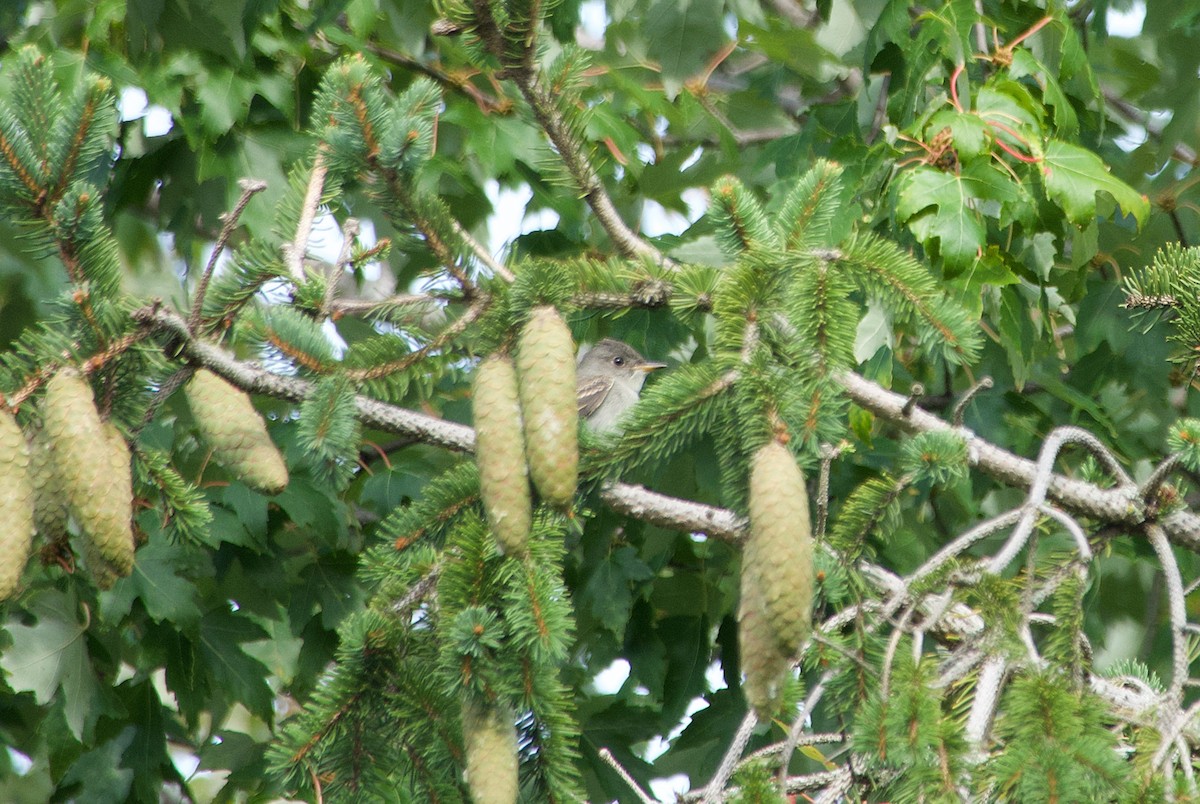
x=969, y=131
x=99, y=774
x=221, y=633
x=224, y=96
x=672, y=28
x=1073, y=177
x=608, y=593
x=1016, y=335
x=156, y=583
x=939, y=207
x=51, y=655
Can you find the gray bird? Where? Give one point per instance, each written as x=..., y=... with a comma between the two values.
x=609, y=380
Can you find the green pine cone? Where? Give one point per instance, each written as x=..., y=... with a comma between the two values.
x=763, y=663
x=93, y=469
x=50, y=511
x=490, y=740
x=500, y=453
x=778, y=556
x=546, y=369
x=233, y=430
x=16, y=505
x=104, y=573
x=117, y=548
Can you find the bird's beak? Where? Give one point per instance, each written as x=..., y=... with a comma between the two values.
x=648, y=367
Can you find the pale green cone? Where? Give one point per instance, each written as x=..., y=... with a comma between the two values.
x=490, y=740
x=763, y=662
x=233, y=430
x=93, y=468
x=50, y=510
x=16, y=505
x=546, y=373
x=778, y=555
x=500, y=453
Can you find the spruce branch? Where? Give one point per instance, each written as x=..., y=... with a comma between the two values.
x=960, y=408
x=522, y=69
x=423, y=303
x=1115, y=506
x=456, y=328
x=1144, y=707
x=457, y=82
x=570, y=151
x=229, y=220
x=1118, y=506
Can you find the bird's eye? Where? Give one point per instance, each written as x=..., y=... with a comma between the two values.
x=618, y=361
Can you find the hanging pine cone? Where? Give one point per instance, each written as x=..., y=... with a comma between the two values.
x=777, y=565
x=233, y=430
x=92, y=467
x=546, y=370
x=16, y=505
x=500, y=452
x=763, y=662
x=490, y=740
x=50, y=513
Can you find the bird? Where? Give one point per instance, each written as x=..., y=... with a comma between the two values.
x=609, y=379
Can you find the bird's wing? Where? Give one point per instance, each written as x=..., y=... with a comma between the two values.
x=591, y=392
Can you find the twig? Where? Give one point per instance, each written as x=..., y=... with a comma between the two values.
x=1053, y=444
x=293, y=252
x=418, y=591
x=961, y=408
x=835, y=789
x=482, y=254
x=713, y=792
x=914, y=395
x=611, y=761
x=168, y=387
x=486, y=103
x=1131, y=114
x=445, y=336
x=829, y=454
x=229, y=220
x=1177, y=609
x=795, y=733
x=987, y=692
x=350, y=231
x=1149, y=489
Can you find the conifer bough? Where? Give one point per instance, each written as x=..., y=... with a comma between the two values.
x=16, y=505
x=92, y=467
x=232, y=428
x=490, y=740
x=546, y=371
x=777, y=573
x=500, y=453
